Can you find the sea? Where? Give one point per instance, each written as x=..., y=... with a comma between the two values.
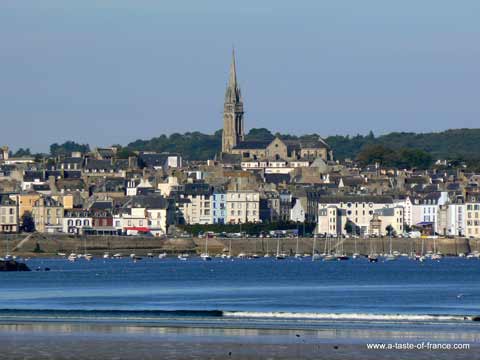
x=356, y=299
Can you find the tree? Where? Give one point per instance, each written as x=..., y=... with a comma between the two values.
x=22, y=152
x=260, y=134
x=371, y=154
x=349, y=227
x=390, y=230
x=27, y=222
x=67, y=148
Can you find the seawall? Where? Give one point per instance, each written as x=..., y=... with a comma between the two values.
x=48, y=245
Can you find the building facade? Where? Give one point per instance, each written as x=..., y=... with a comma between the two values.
x=243, y=207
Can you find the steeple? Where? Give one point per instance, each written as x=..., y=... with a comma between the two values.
x=233, y=93
x=233, y=128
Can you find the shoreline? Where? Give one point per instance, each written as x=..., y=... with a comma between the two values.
x=81, y=341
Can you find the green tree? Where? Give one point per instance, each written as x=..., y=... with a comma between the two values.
x=27, y=222
x=390, y=230
x=67, y=148
x=349, y=227
x=260, y=134
x=22, y=152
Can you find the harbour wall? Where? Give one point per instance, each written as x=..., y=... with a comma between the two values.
x=49, y=244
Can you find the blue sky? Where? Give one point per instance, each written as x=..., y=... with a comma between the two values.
x=113, y=71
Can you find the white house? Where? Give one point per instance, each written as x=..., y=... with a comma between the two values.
x=243, y=206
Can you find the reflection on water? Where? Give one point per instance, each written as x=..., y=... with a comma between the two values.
x=352, y=335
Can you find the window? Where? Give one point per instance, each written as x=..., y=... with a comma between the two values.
x=86, y=223
x=70, y=222
x=78, y=222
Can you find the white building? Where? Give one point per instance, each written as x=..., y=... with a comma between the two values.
x=473, y=217
x=76, y=221
x=335, y=211
x=297, y=212
x=243, y=207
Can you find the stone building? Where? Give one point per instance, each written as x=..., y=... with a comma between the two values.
x=233, y=128
x=233, y=136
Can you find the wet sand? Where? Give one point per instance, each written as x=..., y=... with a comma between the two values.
x=79, y=341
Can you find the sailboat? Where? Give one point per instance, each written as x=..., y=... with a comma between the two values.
x=205, y=255
x=372, y=257
x=315, y=254
x=86, y=256
x=422, y=256
x=297, y=254
x=437, y=255
x=279, y=256
x=328, y=250
x=183, y=257
x=339, y=253
x=267, y=253
x=355, y=253
x=8, y=257
x=390, y=256
x=229, y=255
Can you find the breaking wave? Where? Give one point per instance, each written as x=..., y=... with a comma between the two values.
x=145, y=315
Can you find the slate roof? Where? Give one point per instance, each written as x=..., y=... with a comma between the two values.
x=197, y=189
x=98, y=164
x=252, y=145
x=355, y=198
x=277, y=178
x=31, y=175
x=72, y=160
x=152, y=160
x=101, y=205
x=6, y=201
x=149, y=202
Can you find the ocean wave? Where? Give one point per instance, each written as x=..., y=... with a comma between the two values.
x=350, y=316
x=121, y=314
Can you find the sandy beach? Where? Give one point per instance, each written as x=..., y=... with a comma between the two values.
x=96, y=341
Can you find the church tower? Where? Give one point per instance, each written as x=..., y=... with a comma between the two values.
x=233, y=129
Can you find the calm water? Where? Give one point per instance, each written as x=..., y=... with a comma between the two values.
x=245, y=290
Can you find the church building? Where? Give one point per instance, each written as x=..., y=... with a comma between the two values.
x=233, y=137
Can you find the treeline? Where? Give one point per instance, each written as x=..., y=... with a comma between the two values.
x=395, y=149
x=402, y=158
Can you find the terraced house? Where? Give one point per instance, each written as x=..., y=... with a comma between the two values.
x=8, y=215
x=473, y=216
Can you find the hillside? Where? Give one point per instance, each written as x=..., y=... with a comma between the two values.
x=461, y=144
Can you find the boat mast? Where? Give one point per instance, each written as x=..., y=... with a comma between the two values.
x=390, y=236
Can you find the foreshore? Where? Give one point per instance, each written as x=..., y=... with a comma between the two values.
x=46, y=245
x=80, y=341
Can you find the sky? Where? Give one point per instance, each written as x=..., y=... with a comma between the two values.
x=112, y=71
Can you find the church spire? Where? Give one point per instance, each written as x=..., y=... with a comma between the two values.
x=233, y=93
x=233, y=127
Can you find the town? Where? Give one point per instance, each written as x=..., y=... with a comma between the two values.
x=278, y=184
